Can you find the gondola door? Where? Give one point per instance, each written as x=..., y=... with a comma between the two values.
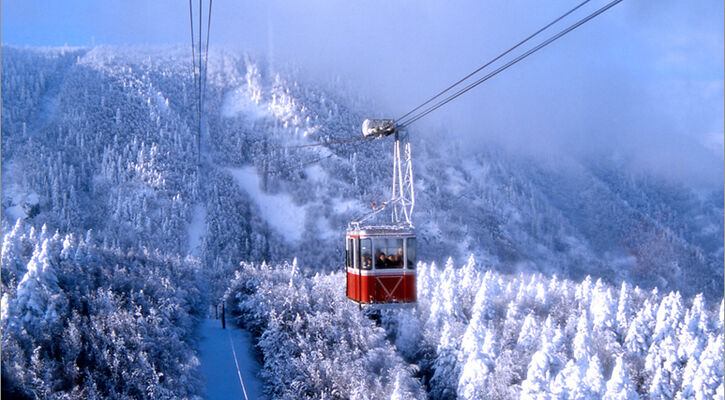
x=355, y=243
x=351, y=267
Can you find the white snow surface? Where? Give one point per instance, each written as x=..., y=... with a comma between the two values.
x=317, y=174
x=219, y=368
x=241, y=102
x=21, y=201
x=197, y=229
x=16, y=212
x=278, y=210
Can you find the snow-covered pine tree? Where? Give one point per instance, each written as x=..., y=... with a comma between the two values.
x=593, y=382
x=542, y=368
x=445, y=306
x=530, y=333
x=39, y=302
x=409, y=332
x=708, y=380
x=688, y=377
x=449, y=291
x=639, y=333
x=692, y=336
x=400, y=391
x=669, y=314
x=444, y=381
x=663, y=368
x=602, y=307
x=582, y=343
x=425, y=280
x=624, y=312
x=619, y=386
x=477, y=366
x=468, y=283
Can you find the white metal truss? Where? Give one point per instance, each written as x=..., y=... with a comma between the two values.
x=402, y=200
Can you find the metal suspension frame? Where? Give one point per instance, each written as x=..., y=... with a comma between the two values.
x=402, y=200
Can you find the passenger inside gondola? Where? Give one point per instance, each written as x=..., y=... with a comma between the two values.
x=389, y=253
x=411, y=253
x=380, y=260
x=390, y=261
x=399, y=258
x=395, y=260
x=367, y=253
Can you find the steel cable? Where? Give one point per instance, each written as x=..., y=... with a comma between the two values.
x=509, y=64
x=193, y=51
x=401, y=122
x=199, y=70
x=206, y=51
x=301, y=146
x=492, y=61
x=308, y=163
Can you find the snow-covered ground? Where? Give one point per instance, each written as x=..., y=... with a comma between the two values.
x=196, y=229
x=218, y=365
x=279, y=210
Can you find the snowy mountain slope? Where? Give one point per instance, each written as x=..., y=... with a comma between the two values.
x=119, y=142
x=103, y=139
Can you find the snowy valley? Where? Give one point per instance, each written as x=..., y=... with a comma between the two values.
x=582, y=280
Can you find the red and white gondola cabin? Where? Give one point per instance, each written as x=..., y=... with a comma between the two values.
x=380, y=264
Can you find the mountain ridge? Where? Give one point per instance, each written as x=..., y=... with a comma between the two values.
x=134, y=107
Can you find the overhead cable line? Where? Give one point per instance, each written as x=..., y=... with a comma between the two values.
x=199, y=69
x=300, y=146
x=198, y=137
x=206, y=51
x=193, y=54
x=492, y=61
x=290, y=168
x=507, y=65
x=356, y=143
x=402, y=122
x=307, y=163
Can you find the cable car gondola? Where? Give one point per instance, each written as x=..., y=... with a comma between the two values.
x=380, y=257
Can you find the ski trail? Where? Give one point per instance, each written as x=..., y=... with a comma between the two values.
x=49, y=98
x=219, y=367
x=197, y=229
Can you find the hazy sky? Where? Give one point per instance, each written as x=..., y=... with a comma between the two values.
x=644, y=81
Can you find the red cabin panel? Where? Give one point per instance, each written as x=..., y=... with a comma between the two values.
x=387, y=258
x=376, y=288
